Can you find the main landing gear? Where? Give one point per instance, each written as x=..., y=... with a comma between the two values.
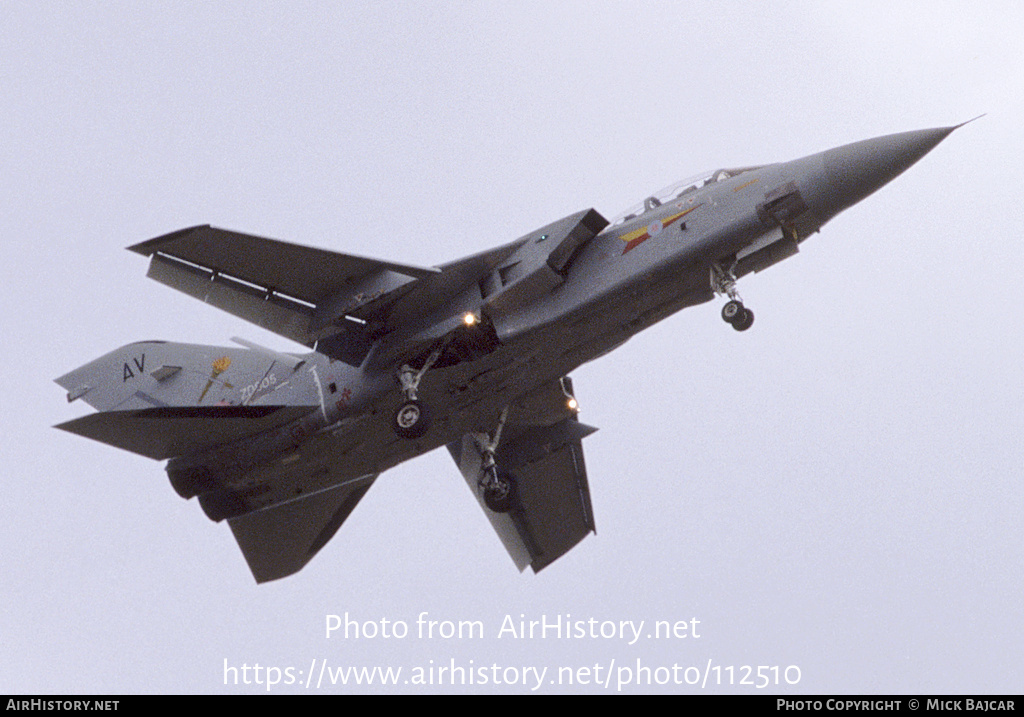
x=734, y=312
x=473, y=338
x=497, y=486
x=412, y=419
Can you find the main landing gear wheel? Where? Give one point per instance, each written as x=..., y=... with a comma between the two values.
x=497, y=486
x=500, y=492
x=411, y=419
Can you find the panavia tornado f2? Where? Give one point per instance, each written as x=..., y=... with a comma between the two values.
x=473, y=355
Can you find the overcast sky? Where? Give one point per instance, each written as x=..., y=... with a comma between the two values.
x=838, y=489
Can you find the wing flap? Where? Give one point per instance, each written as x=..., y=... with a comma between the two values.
x=554, y=499
x=274, y=284
x=281, y=266
x=274, y=312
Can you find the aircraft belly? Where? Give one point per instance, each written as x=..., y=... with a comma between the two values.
x=469, y=396
x=464, y=398
x=601, y=304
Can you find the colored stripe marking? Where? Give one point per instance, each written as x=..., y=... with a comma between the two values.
x=637, y=237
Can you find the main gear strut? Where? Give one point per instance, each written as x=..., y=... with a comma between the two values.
x=472, y=338
x=412, y=418
x=496, y=485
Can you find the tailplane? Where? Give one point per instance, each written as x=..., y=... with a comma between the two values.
x=161, y=433
x=161, y=399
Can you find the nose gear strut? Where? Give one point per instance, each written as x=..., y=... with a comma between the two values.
x=723, y=282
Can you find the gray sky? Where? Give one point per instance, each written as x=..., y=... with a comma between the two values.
x=837, y=489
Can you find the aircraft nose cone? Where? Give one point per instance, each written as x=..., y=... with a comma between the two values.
x=852, y=172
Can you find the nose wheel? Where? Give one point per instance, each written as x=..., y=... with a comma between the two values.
x=734, y=312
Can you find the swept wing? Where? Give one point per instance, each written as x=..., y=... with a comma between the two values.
x=297, y=291
x=543, y=451
x=340, y=304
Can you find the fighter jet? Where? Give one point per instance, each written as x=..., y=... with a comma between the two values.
x=474, y=355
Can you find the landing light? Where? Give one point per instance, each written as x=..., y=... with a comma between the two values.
x=573, y=405
x=470, y=319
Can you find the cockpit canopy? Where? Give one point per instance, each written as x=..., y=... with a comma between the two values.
x=676, y=190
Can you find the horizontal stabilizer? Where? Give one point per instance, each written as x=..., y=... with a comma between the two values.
x=279, y=541
x=161, y=433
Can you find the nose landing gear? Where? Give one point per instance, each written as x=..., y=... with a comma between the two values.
x=734, y=312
